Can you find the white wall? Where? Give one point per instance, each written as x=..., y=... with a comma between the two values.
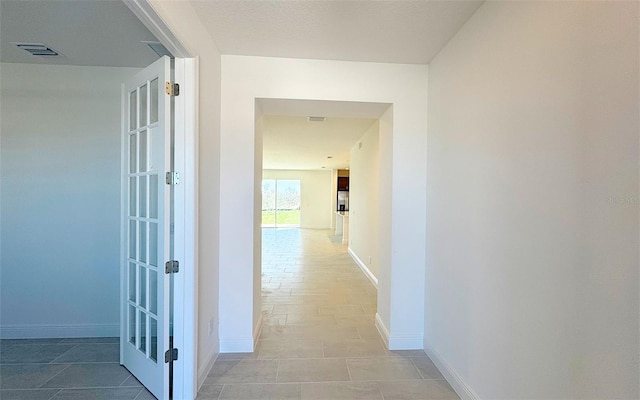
x=385, y=218
x=363, y=199
x=257, y=223
x=185, y=24
x=315, y=195
x=532, y=208
x=246, y=78
x=334, y=196
x=60, y=200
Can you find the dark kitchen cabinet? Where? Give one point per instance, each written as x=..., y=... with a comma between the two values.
x=343, y=183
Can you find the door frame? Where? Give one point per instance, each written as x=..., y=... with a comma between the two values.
x=185, y=201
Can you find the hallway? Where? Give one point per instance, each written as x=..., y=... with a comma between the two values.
x=318, y=339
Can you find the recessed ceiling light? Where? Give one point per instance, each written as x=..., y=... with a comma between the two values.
x=316, y=119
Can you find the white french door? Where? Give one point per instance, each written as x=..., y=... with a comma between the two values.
x=145, y=301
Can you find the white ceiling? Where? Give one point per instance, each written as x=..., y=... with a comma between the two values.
x=395, y=31
x=290, y=141
x=295, y=143
x=398, y=31
x=106, y=33
x=87, y=32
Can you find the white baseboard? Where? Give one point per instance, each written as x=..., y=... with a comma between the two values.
x=203, y=371
x=59, y=331
x=398, y=342
x=382, y=329
x=405, y=342
x=242, y=344
x=236, y=345
x=454, y=379
x=363, y=267
x=256, y=332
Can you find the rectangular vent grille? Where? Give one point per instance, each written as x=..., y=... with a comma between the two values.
x=38, y=49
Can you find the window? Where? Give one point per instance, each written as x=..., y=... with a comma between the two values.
x=280, y=202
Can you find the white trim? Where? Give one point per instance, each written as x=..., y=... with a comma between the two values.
x=186, y=288
x=257, y=331
x=397, y=342
x=123, y=227
x=150, y=18
x=59, y=331
x=206, y=368
x=382, y=329
x=454, y=379
x=185, y=284
x=405, y=342
x=236, y=345
x=363, y=267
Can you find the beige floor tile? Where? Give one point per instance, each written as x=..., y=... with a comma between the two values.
x=242, y=371
x=370, y=308
x=209, y=392
x=293, y=348
x=368, y=332
x=237, y=356
x=310, y=319
x=325, y=300
x=417, y=390
x=354, y=348
x=313, y=370
x=319, y=315
x=273, y=299
x=282, y=332
x=304, y=309
x=261, y=391
x=329, y=332
x=355, y=320
x=427, y=368
x=341, y=391
x=407, y=353
x=343, y=310
x=382, y=368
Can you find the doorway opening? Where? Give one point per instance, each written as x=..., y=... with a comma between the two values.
x=280, y=203
x=311, y=276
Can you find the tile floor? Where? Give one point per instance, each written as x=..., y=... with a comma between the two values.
x=318, y=339
x=66, y=369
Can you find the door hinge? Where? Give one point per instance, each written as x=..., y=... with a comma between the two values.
x=172, y=267
x=172, y=89
x=170, y=355
x=173, y=178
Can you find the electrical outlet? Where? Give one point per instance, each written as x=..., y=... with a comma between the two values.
x=369, y=260
x=210, y=326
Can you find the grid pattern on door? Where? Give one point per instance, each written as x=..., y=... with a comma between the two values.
x=144, y=233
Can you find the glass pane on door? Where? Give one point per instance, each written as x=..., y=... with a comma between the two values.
x=144, y=235
x=145, y=301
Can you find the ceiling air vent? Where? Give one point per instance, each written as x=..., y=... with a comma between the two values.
x=38, y=49
x=316, y=119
